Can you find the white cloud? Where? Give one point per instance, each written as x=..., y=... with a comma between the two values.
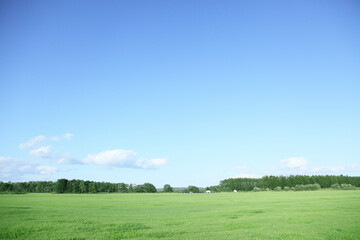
x=122, y=158
x=46, y=170
x=13, y=169
x=32, y=142
x=294, y=162
x=151, y=163
x=41, y=152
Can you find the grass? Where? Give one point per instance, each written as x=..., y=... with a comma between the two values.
x=325, y=214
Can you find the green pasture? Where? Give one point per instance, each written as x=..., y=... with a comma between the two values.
x=325, y=214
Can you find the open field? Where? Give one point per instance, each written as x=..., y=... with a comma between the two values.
x=325, y=214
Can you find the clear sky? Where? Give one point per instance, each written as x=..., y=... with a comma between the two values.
x=178, y=92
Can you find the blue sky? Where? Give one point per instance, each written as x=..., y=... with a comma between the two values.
x=178, y=92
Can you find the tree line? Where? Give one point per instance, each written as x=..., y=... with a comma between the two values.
x=240, y=184
x=272, y=182
x=74, y=186
x=80, y=186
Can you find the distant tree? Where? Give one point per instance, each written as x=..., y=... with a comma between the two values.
x=193, y=189
x=31, y=186
x=214, y=188
x=122, y=188
x=149, y=188
x=75, y=186
x=92, y=187
x=82, y=187
x=68, y=187
x=87, y=186
x=60, y=186
x=168, y=188
x=139, y=188
x=19, y=187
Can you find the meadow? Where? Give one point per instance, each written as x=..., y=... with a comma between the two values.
x=324, y=214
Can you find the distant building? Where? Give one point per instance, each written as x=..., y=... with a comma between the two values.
x=235, y=190
x=208, y=191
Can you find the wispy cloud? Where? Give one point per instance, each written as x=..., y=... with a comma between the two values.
x=335, y=169
x=66, y=136
x=13, y=169
x=39, y=147
x=294, y=162
x=66, y=158
x=300, y=165
x=294, y=166
x=33, y=141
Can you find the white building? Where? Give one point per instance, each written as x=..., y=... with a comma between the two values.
x=208, y=191
x=235, y=190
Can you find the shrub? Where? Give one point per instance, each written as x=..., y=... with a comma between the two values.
x=278, y=188
x=292, y=189
x=286, y=189
x=317, y=186
x=256, y=189
x=267, y=189
x=347, y=187
x=308, y=187
x=335, y=186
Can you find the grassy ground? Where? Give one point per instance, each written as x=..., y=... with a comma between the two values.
x=324, y=214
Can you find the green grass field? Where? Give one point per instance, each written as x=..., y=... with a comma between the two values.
x=324, y=214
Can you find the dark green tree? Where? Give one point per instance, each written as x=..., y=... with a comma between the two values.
x=139, y=188
x=149, y=188
x=168, y=188
x=60, y=186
